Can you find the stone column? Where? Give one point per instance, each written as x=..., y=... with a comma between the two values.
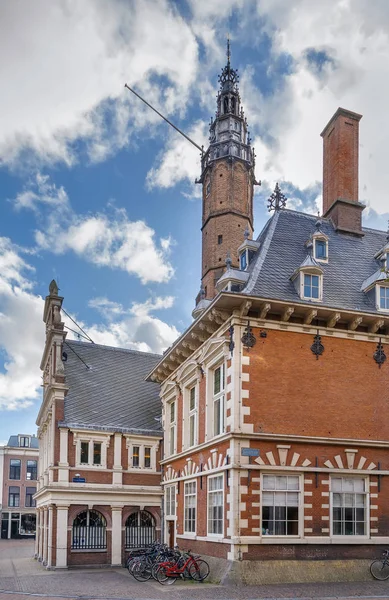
x=41, y=535
x=116, y=557
x=50, y=538
x=37, y=532
x=45, y=512
x=62, y=537
x=117, y=475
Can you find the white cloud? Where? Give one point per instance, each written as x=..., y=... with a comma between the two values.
x=66, y=66
x=109, y=240
x=22, y=331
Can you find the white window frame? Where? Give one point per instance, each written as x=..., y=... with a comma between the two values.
x=209, y=494
x=219, y=397
x=191, y=494
x=366, y=494
x=302, y=287
x=90, y=439
x=170, y=499
x=171, y=427
x=300, y=505
x=378, y=297
x=320, y=238
x=142, y=443
x=190, y=415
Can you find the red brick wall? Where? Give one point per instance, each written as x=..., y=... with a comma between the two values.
x=343, y=394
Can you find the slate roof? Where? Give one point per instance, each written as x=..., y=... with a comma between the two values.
x=282, y=250
x=13, y=441
x=112, y=394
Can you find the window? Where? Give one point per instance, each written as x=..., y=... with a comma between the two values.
x=13, y=496
x=147, y=461
x=215, y=505
x=89, y=531
x=14, y=468
x=170, y=500
x=190, y=507
x=24, y=442
x=135, y=456
x=32, y=469
x=208, y=188
x=84, y=453
x=30, y=491
x=321, y=250
x=192, y=417
x=139, y=529
x=384, y=298
x=348, y=506
x=311, y=286
x=243, y=261
x=280, y=504
x=219, y=239
x=218, y=400
x=172, y=427
x=27, y=524
x=97, y=453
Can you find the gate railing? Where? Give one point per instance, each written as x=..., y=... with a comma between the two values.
x=139, y=536
x=89, y=538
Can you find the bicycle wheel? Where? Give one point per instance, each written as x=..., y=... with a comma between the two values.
x=141, y=571
x=163, y=577
x=199, y=570
x=380, y=569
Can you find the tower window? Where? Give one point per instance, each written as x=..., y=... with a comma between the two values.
x=208, y=188
x=219, y=239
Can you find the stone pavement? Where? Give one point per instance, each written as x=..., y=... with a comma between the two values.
x=22, y=578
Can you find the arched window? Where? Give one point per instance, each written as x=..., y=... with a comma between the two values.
x=89, y=531
x=225, y=105
x=140, y=529
x=233, y=104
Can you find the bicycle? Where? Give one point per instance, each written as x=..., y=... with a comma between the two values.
x=379, y=568
x=168, y=572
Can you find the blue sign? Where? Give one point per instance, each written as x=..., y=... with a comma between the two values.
x=79, y=480
x=250, y=452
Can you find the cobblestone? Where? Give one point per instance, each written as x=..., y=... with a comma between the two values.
x=22, y=578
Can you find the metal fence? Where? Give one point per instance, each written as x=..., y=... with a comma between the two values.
x=89, y=537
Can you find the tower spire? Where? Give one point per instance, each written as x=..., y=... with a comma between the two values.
x=228, y=51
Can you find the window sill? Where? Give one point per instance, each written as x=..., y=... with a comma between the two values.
x=80, y=550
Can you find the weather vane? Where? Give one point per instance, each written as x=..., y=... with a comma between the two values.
x=277, y=200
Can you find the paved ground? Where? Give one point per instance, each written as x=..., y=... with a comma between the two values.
x=22, y=578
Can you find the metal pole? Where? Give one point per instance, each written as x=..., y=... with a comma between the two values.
x=167, y=120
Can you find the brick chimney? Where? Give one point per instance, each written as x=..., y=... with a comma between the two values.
x=340, y=172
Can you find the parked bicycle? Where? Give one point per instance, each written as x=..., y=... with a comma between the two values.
x=379, y=568
x=168, y=572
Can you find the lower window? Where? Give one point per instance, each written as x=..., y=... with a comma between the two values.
x=215, y=505
x=348, y=506
x=89, y=531
x=280, y=504
x=190, y=507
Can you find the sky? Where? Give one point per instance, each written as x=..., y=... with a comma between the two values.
x=99, y=193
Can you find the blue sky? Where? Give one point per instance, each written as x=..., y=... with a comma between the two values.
x=98, y=192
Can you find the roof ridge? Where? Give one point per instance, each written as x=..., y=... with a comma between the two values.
x=114, y=348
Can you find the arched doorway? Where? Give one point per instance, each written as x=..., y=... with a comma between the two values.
x=140, y=529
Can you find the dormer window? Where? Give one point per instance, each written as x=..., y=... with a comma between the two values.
x=243, y=261
x=383, y=297
x=321, y=249
x=311, y=284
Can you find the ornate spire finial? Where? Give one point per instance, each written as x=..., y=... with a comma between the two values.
x=53, y=288
x=228, y=261
x=277, y=200
x=228, y=51
x=246, y=233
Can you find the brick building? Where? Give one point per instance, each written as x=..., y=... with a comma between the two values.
x=275, y=399
x=99, y=488
x=19, y=462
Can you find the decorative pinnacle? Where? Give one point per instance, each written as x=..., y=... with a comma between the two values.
x=387, y=233
x=277, y=200
x=246, y=233
x=228, y=51
x=202, y=293
x=228, y=261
